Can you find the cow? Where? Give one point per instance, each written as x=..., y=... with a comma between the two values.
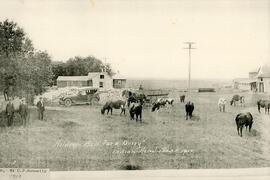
x=236, y=98
x=169, y=100
x=243, y=119
x=263, y=103
x=160, y=102
x=136, y=110
x=182, y=98
x=110, y=105
x=189, y=107
x=221, y=104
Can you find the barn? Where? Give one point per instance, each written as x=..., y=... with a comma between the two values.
x=100, y=80
x=78, y=81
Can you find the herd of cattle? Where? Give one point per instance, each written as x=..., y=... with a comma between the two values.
x=135, y=104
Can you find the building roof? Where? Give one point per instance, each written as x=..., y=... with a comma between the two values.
x=264, y=72
x=118, y=76
x=95, y=74
x=73, y=78
x=244, y=80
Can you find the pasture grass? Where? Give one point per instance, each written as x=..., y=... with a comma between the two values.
x=80, y=138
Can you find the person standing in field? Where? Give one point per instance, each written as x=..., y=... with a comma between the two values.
x=23, y=109
x=10, y=113
x=41, y=108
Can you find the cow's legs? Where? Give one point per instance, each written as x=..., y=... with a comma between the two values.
x=241, y=129
x=259, y=108
x=250, y=127
x=238, y=130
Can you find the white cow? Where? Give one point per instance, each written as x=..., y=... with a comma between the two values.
x=221, y=104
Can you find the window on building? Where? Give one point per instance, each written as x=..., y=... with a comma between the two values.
x=101, y=76
x=101, y=84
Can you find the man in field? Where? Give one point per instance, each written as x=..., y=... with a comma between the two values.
x=41, y=108
x=23, y=109
x=10, y=113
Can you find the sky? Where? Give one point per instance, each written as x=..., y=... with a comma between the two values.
x=145, y=39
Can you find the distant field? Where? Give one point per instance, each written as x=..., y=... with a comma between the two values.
x=177, y=83
x=80, y=138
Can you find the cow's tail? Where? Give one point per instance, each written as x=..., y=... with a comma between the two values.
x=251, y=117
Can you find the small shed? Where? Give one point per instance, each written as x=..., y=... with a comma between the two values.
x=119, y=81
x=78, y=81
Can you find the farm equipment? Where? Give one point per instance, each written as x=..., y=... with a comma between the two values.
x=153, y=95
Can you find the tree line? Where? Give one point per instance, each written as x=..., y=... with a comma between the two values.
x=26, y=71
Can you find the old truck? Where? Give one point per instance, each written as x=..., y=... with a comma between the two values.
x=80, y=96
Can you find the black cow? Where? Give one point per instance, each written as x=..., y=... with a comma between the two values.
x=136, y=110
x=189, y=110
x=182, y=98
x=243, y=119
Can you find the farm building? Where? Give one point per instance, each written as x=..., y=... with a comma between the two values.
x=245, y=84
x=258, y=81
x=263, y=79
x=79, y=81
x=101, y=80
x=119, y=81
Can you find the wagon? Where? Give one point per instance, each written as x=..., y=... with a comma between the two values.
x=153, y=94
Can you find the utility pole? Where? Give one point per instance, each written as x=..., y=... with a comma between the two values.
x=189, y=65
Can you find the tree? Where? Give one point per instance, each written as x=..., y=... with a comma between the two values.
x=79, y=66
x=23, y=70
x=11, y=38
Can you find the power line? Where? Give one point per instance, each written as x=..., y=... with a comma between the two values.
x=189, y=64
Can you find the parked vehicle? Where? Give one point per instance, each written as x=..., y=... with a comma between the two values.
x=85, y=95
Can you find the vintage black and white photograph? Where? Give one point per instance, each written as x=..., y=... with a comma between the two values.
x=91, y=85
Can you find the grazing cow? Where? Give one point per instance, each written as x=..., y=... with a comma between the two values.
x=169, y=100
x=239, y=98
x=243, y=119
x=110, y=105
x=189, y=110
x=263, y=103
x=221, y=104
x=135, y=109
x=160, y=102
x=182, y=98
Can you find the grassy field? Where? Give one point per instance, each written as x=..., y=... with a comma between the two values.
x=80, y=138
